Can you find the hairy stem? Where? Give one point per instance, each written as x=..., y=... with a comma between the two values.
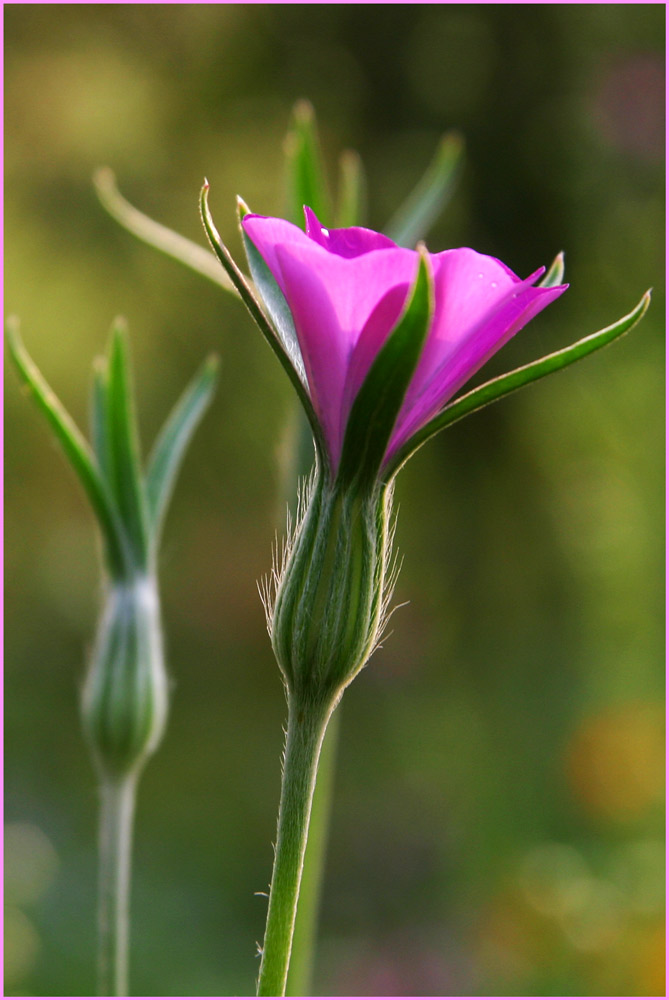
x=116, y=818
x=306, y=728
x=306, y=921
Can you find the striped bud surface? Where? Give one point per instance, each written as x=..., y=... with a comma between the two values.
x=332, y=590
x=125, y=695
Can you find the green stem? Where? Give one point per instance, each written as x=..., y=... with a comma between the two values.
x=116, y=817
x=306, y=728
x=306, y=920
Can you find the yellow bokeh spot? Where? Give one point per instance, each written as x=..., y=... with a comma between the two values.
x=615, y=762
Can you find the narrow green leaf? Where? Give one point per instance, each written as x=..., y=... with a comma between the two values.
x=414, y=218
x=124, y=462
x=272, y=298
x=380, y=398
x=195, y=257
x=99, y=425
x=352, y=190
x=257, y=310
x=555, y=273
x=76, y=450
x=305, y=176
x=172, y=442
x=490, y=391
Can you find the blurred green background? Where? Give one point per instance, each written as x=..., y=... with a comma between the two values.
x=498, y=822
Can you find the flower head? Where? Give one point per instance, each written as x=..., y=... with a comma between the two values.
x=348, y=288
x=380, y=337
x=376, y=340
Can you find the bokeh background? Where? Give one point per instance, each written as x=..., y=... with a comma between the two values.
x=498, y=823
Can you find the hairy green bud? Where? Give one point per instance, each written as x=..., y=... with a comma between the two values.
x=125, y=694
x=332, y=589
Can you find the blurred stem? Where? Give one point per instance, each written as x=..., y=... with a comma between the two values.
x=306, y=921
x=116, y=817
x=306, y=727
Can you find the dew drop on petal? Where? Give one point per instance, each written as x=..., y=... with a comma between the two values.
x=325, y=232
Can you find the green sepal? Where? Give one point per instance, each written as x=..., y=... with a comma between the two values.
x=154, y=234
x=352, y=200
x=380, y=397
x=257, y=310
x=412, y=221
x=172, y=442
x=272, y=297
x=305, y=176
x=77, y=452
x=333, y=589
x=98, y=418
x=555, y=274
x=125, y=474
x=490, y=391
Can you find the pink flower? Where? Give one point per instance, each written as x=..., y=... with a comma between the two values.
x=346, y=290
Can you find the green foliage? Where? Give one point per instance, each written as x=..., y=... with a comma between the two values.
x=171, y=444
x=414, y=218
x=156, y=235
x=122, y=449
x=87, y=469
x=352, y=207
x=124, y=699
x=129, y=506
x=305, y=174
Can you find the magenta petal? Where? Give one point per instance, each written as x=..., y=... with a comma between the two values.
x=471, y=349
x=353, y=286
x=331, y=299
x=351, y=242
x=267, y=234
x=375, y=332
x=468, y=285
x=346, y=289
x=323, y=343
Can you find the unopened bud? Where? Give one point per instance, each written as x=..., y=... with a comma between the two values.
x=125, y=695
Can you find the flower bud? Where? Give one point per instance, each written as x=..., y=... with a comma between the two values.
x=332, y=590
x=124, y=700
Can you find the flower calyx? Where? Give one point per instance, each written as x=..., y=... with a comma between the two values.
x=329, y=605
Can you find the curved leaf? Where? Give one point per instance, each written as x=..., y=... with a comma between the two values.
x=125, y=474
x=305, y=176
x=555, y=273
x=195, y=257
x=490, y=391
x=98, y=420
x=273, y=298
x=256, y=308
x=172, y=442
x=76, y=450
x=352, y=190
x=413, y=219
